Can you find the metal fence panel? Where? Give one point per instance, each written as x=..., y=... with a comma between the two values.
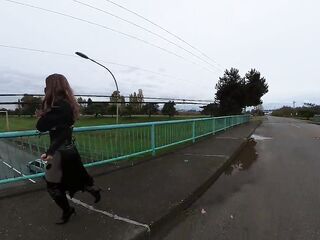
x=20, y=151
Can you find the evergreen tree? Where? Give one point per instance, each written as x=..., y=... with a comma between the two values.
x=230, y=93
x=169, y=109
x=150, y=109
x=234, y=93
x=255, y=88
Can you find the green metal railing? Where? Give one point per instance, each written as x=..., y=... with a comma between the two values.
x=105, y=144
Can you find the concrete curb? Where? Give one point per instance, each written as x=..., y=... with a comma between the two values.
x=197, y=193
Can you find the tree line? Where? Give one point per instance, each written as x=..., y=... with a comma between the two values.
x=136, y=105
x=28, y=104
x=307, y=111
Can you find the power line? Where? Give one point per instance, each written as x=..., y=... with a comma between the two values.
x=106, y=96
x=37, y=50
x=83, y=102
x=107, y=28
x=162, y=28
x=72, y=55
x=145, y=29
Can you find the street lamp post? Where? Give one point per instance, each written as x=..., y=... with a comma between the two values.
x=115, y=81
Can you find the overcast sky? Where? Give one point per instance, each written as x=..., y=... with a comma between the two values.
x=280, y=38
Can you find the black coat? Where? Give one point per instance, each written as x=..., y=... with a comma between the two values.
x=59, y=121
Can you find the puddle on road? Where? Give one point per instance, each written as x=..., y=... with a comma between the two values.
x=259, y=138
x=245, y=159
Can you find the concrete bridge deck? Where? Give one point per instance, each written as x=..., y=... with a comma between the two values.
x=135, y=199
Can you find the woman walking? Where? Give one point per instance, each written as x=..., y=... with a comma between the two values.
x=64, y=170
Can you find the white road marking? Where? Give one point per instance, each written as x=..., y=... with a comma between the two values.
x=260, y=138
x=116, y=217
x=9, y=166
x=296, y=125
x=206, y=155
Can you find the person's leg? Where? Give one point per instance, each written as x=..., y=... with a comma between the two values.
x=94, y=191
x=58, y=194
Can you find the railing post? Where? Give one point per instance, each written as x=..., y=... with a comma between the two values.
x=153, y=142
x=225, y=123
x=7, y=121
x=213, y=126
x=193, y=131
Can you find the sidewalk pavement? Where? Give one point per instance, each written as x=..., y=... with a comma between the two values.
x=136, y=200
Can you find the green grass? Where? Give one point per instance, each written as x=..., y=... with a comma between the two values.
x=28, y=123
x=258, y=118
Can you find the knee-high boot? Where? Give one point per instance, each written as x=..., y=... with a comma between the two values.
x=60, y=198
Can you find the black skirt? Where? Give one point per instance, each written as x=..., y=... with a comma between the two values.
x=74, y=175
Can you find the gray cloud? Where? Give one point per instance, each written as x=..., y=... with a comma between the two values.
x=128, y=70
x=12, y=81
x=152, y=77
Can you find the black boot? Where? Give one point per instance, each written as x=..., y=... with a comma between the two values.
x=58, y=194
x=95, y=192
x=66, y=216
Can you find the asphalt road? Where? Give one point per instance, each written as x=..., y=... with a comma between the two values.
x=272, y=191
x=13, y=161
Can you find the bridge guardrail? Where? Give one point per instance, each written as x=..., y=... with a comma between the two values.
x=99, y=145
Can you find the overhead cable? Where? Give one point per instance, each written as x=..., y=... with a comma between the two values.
x=106, y=96
x=107, y=102
x=72, y=55
x=147, y=30
x=107, y=28
x=36, y=50
x=162, y=28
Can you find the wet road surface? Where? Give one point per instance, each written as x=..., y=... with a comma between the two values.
x=13, y=162
x=271, y=191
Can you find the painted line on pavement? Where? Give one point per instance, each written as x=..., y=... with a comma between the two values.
x=116, y=217
x=9, y=166
x=296, y=125
x=256, y=137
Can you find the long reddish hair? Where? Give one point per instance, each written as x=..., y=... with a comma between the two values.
x=57, y=88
